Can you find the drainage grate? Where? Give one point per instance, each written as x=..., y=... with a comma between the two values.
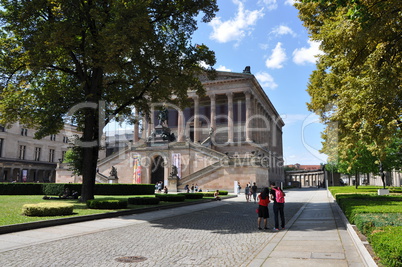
x=128, y=259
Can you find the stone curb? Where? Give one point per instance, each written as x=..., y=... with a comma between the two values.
x=364, y=254
x=47, y=223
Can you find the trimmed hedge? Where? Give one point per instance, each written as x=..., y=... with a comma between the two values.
x=21, y=189
x=47, y=209
x=143, y=200
x=366, y=222
x=53, y=189
x=170, y=197
x=192, y=195
x=107, y=203
x=387, y=244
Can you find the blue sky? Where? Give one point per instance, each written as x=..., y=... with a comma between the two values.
x=268, y=36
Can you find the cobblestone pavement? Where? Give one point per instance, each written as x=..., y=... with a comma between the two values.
x=223, y=234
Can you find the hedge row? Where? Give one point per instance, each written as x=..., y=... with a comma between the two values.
x=47, y=209
x=58, y=189
x=379, y=218
x=107, y=203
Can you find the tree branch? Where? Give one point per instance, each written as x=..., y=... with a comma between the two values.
x=132, y=100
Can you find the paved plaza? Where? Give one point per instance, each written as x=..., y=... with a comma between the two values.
x=221, y=233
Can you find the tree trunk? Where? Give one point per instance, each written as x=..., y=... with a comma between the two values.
x=357, y=179
x=91, y=136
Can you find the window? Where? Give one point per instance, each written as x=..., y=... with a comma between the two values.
x=65, y=139
x=22, y=152
x=24, y=132
x=1, y=146
x=37, y=153
x=51, y=155
x=52, y=137
x=63, y=155
x=2, y=129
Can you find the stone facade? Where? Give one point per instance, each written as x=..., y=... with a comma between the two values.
x=25, y=159
x=231, y=134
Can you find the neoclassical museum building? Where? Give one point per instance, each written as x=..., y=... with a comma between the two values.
x=232, y=134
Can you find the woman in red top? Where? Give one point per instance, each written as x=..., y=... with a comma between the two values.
x=263, y=200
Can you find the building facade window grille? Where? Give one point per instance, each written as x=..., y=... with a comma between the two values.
x=37, y=153
x=22, y=152
x=1, y=146
x=24, y=131
x=51, y=155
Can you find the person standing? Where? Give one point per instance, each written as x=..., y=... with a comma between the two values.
x=254, y=192
x=263, y=213
x=278, y=197
x=238, y=188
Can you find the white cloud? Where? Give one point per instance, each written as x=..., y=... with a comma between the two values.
x=266, y=80
x=307, y=55
x=283, y=30
x=223, y=68
x=290, y=2
x=235, y=29
x=269, y=4
x=278, y=56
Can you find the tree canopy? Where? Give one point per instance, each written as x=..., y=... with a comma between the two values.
x=356, y=88
x=61, y=55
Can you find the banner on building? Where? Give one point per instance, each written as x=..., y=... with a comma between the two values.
x=176, y=161
x=137, y=169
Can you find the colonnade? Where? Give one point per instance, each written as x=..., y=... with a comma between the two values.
x=262, y=124
x=306, y=179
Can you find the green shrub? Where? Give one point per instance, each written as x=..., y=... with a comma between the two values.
x=107, y=203
x=170, y=197
x=192, y=195
x=366, y=222
x=52, y=189
x=47, y=209
x=20, y=189
x=353, y=204
x=143, y=200
x=387, y=244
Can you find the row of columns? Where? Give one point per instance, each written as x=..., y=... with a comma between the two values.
x=19, y=175
x=306, y=179
x=253, y=107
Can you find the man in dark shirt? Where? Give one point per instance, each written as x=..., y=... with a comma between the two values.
x=254, y=192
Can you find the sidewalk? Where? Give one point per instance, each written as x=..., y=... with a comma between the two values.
x=318, y=235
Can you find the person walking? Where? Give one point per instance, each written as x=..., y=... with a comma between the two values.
x=278, y=197
x=254, y=189
x=263, y=213
x=247, y=193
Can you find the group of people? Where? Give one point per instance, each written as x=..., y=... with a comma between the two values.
x=193, y=188
x=250, y=192
x=159, y=186
x=277, y=196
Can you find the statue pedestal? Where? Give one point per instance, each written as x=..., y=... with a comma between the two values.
x=113, y=180
x=172, y=184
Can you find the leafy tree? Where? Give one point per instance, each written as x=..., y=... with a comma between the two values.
x=357, y=83
x=93, y=59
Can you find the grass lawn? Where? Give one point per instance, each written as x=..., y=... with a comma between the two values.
x=11, y=207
